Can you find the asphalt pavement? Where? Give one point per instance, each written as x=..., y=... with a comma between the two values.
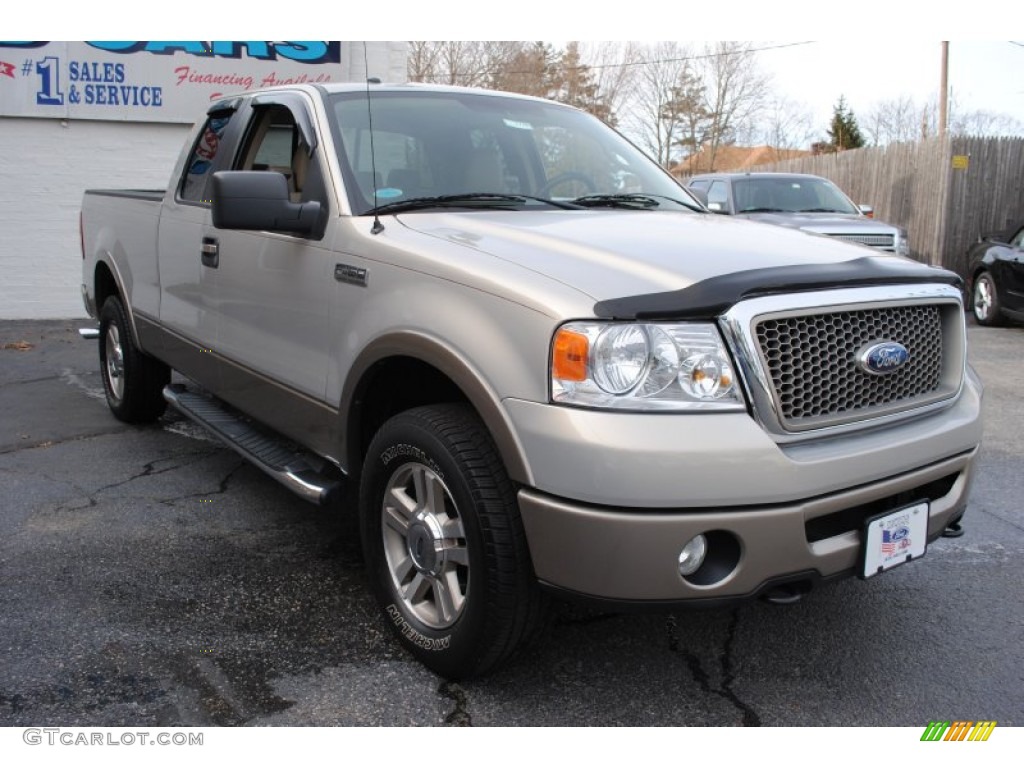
x=150, y=577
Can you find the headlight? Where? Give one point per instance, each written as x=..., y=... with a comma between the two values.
x=902, y=243
x=643, y=366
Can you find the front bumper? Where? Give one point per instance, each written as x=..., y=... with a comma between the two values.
x=637, y=461
x=631, y=556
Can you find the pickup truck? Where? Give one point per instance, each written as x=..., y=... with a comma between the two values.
x=543, y=365
x=801, y=201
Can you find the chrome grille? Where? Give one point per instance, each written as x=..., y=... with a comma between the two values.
x=811, y=363
x=875, y=241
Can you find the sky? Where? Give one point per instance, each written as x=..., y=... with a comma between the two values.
x=983, y=75
x=867, y=50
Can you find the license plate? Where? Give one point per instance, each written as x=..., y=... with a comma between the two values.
x=894, y=538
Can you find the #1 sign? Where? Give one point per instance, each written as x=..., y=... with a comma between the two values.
x=160, y=81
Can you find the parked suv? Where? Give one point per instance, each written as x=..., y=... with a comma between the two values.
x=800, y=201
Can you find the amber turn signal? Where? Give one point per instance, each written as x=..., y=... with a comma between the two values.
x=569, y=357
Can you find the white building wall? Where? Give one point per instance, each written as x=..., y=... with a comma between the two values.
x=46, y=164
x=45, y=167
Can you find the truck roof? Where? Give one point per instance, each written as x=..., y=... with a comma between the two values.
x=356, y=87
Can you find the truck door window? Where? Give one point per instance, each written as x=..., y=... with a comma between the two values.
x=274, y=142
x=201, y=162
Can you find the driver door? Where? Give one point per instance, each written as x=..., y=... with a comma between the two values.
x=274, y=287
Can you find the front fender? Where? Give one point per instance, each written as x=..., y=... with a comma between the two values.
x=427, y=349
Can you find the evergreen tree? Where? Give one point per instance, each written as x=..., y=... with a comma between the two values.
x=531, y=70
x=687, y=110
x=575, y=85
x=844, y=132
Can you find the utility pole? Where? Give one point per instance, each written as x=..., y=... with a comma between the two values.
x=944, y=89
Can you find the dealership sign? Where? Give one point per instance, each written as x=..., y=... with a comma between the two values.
x=162, y=81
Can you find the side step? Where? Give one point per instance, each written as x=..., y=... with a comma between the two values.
x=302, y=474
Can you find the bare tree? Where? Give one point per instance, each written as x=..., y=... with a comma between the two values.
x=453, y=62
x=784, y=124
x=613, y=66
x=735, y=91
x=981, y=123
x=893, y=120
x=653, y=116
x=904, y=119
x=422, y=62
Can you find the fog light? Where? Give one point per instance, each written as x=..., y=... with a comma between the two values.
x=692, y=556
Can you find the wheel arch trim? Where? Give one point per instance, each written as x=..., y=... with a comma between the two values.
x=434, y=352
x=107, y=260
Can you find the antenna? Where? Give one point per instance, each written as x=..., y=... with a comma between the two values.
x=377, y=227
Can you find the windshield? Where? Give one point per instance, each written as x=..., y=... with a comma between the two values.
x=430, y=144
x=790, y=194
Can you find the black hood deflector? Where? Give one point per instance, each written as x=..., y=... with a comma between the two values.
x=710, y=298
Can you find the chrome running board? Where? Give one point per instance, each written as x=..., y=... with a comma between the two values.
x=305, y=475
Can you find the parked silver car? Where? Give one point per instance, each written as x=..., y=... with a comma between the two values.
x=800, y=201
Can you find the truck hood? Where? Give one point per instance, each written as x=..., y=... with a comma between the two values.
x=615, y=253
x=825, y=223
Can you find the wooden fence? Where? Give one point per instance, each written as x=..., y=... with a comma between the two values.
x=945, y=192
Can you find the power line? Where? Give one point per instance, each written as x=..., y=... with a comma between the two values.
x=696, y=57
x=640, y=63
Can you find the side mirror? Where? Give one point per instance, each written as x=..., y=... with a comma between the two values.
x=867, y=210
x=259, y=200
x=716, y=208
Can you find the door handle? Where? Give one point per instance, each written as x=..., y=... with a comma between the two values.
x=210, y=252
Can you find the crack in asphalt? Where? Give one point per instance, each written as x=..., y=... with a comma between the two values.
x=701, y=677
x=460, y=714
x=148, y=470
x=62, y=441
x=222, y=487
x=1016, y=525
x=19, y=382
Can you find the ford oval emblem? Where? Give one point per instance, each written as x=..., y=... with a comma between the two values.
x=883, y=357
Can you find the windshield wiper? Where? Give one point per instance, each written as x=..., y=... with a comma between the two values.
x=466, y=199
x=821, y=210
x=761, y=210
x=634, y=200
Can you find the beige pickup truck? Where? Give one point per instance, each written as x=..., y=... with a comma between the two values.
x=544, y=365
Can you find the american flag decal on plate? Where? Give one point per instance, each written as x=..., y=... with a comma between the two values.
x=894, y=538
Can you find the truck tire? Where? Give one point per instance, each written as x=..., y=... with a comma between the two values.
x=985, y=300
x=444, y=543
x=132, y=380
